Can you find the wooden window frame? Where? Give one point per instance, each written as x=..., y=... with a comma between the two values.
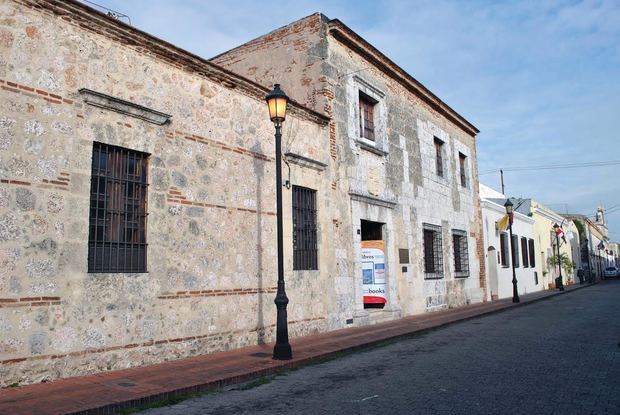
x=367, y=117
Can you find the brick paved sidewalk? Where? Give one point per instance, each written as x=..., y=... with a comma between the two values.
x=111, y=391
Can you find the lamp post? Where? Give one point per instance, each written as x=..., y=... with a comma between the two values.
x=558, y=280
x=276, y=101
x=509, y=211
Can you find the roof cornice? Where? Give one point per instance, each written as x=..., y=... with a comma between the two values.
x=348, y=37
x=92, y=20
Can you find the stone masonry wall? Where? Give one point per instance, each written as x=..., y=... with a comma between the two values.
x=393, y=180
x=211, y=204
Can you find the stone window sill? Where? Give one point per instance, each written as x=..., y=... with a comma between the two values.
x=364, y=145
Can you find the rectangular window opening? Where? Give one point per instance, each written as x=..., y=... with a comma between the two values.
x=438, y=156
x=462, y=167
x=524, y=253
x=433, y=254
x=367, y=117
x=532, y=253
x=461, y=254
x=305, y=252
x=515, y=250
x=503, y=250
x=118, y=210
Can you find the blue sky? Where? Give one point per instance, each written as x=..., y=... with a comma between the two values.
x=540, y=79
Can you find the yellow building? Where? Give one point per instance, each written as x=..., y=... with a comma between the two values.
x=545, y=241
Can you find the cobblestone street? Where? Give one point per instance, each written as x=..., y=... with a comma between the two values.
x=558, y=356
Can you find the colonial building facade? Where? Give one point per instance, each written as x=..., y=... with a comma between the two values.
x=137, y=194
x=405, y=170
x=137, y=200
x=502, y=253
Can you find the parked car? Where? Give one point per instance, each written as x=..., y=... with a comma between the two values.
x=610, y=272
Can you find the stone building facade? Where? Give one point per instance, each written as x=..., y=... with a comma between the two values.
x=171, y=252
x=405, y=169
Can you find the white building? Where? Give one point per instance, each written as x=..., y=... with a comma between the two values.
x=497, y=248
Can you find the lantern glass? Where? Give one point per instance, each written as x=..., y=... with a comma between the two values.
x=508, y=205
x=277, y=109
x=277, y=101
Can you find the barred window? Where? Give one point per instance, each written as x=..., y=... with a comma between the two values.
x=532, y=253
x=524, y=256
x=439, y=156
x=503, y=249
x=117, y=223
x=461, y=256
x=515, y=250
x=433, y=254
x=367, y=117
x=462, y=166
x=304, y=229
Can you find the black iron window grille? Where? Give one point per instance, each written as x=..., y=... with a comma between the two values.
x=461, y=253
x=304, y=229
x=524, y=256
x=462, y=167
x=118, y=210
x=433, y=254
x=367, y=117
x=515, y=250
x=503, y=249
x=532, y=253
x=439, y=156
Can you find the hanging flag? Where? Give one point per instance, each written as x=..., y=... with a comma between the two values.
x=502, y=224
x=560, y=233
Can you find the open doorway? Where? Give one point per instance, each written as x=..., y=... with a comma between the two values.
x=372, y=231
x=373, y=264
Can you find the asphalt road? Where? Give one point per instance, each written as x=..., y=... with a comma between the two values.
x=557, y=356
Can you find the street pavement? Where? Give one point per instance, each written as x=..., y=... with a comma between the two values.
x=558, y=356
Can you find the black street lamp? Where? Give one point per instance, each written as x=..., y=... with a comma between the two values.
x=558, y=280
x=277, y=100
x=510, y=212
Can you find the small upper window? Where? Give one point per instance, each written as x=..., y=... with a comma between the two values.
x=367, y=117
x=439, y=156
x=462, y=164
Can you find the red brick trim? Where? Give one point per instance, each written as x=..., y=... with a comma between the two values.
x=29, y=302
x=215, y=293
x=220, y=145
x=29, y=91
x=175, y=196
